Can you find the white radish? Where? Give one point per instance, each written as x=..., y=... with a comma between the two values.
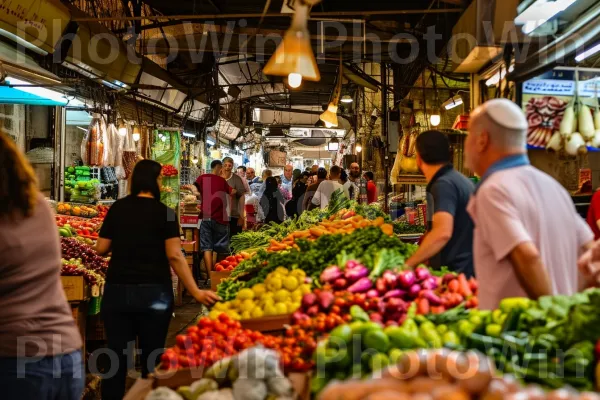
x=586, y=122
x=596, y=139
x=597, y=119
x=555, y=142
x=576, y=145
x=566, y=125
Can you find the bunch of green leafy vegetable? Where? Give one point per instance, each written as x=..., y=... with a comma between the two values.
x=370, y=211
x=404, y=228
x=365, y=245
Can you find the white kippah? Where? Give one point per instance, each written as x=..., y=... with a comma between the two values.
x=506, y=114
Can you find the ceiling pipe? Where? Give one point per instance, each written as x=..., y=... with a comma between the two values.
x=333, y=14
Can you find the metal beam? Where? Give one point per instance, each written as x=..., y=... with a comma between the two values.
x=332, y=14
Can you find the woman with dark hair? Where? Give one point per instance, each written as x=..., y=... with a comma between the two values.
x=40, y=344
x=143, y=235
x=293, y=208
x=272, y=202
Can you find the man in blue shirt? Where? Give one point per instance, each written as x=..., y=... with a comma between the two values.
x=287, y=179
x=449, y=238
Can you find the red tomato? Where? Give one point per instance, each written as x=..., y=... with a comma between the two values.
x=193, y=329
x=183, y=341
x=220, y=328
x=205, y=322
x=298, y=365
x=224, y=263
x=230, y=259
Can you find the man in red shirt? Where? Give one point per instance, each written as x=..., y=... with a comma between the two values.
x=215, y=195
x=593, y=215
x=371, y=188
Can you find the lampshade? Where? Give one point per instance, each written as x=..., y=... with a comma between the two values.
x=122, y=131
x=136, y=133
x=294, y=55
x=333, y=145
x=329, y=116
x=435, y=119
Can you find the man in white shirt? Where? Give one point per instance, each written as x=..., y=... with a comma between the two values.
x=527, y=235
x=323, y=194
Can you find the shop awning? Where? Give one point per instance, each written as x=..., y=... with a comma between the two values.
x=581, y=32
x=35, y=24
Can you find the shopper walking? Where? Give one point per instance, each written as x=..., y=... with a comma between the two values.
x=358, y=191
x=237, y=214
x=293, y=208
x=528, y=235
x=143, y=236
x=216, y=197
x=241, y=172
x=326, y=189
x=313, y=175
x=272, y=201
x=449, y=239
x=312, y=189
x=40, y=345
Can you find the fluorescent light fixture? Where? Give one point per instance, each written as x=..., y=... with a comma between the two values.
x=22, y=42
x=346, y=99
x=210, y=142
x=51, y=95
x=498, y=76
x=189, y=134
x=589, y=52
x=540, y=12
x=453, y=102
x=435, y=119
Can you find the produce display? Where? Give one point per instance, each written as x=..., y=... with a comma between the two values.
x=281, y=293
x=253, y=374
x=73, y=226
x=73, y=250
x=404, y=228
x=169, y=170
x=80, y=210
x=79, y=185
x=348, y=223
x=231, y=262
x=74, y=267
x=314, y=256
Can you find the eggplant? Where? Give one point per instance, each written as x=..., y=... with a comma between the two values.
x=361, y=286
x=433, y=299
x=422, y=273
x=395, y=293
x=406, y=279
x=330, y=274
x=414, y=290
x=356, y=273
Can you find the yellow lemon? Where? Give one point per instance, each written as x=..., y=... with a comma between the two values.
x=281, y=308
x=257, y=313
x=259, y=289
x=305, y=288
x=269, y=301
x=290, y=283
x=281, y=296
x=246, y=315
x=270, y=309
x=298, y=274
x=274, y=284
x=235, y=304
x=293, y=307
x=221, y=306
x=234, y=315
x=297, y=295
x=214, y=314
x=282, y=270
x=267, y=295
x=247, y=305
x=245, y=294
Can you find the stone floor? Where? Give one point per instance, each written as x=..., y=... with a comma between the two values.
x=186, y=315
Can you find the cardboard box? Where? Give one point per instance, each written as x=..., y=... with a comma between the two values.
x=185, y=377
x=275, y=323
x=216, y=277
x=75, y=288
x=189, y=247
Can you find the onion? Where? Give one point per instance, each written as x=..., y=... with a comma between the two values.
x=414, y=290
x=422, y=273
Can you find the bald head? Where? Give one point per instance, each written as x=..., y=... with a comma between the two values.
x=504, y=123
x=354, y=171
x=288, y=171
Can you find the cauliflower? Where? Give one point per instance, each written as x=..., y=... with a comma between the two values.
x=249, y=389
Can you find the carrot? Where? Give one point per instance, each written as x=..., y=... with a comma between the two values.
x=387, y=229
x=422, y=306
x=453, y=286
x=465, y=290
x=317, y=232
x=378, y=221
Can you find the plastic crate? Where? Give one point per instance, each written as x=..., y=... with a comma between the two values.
x=94, y=305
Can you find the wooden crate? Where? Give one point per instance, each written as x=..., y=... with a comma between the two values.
x=79, y=311
x=189, y=247
x=275, y=323
x=216, y=277
x=75, y=288
x=185, y=377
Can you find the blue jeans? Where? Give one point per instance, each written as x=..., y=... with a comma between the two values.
x=129, y=311
x=59, y=377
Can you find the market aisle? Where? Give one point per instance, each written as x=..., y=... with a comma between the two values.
x=186, y=315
